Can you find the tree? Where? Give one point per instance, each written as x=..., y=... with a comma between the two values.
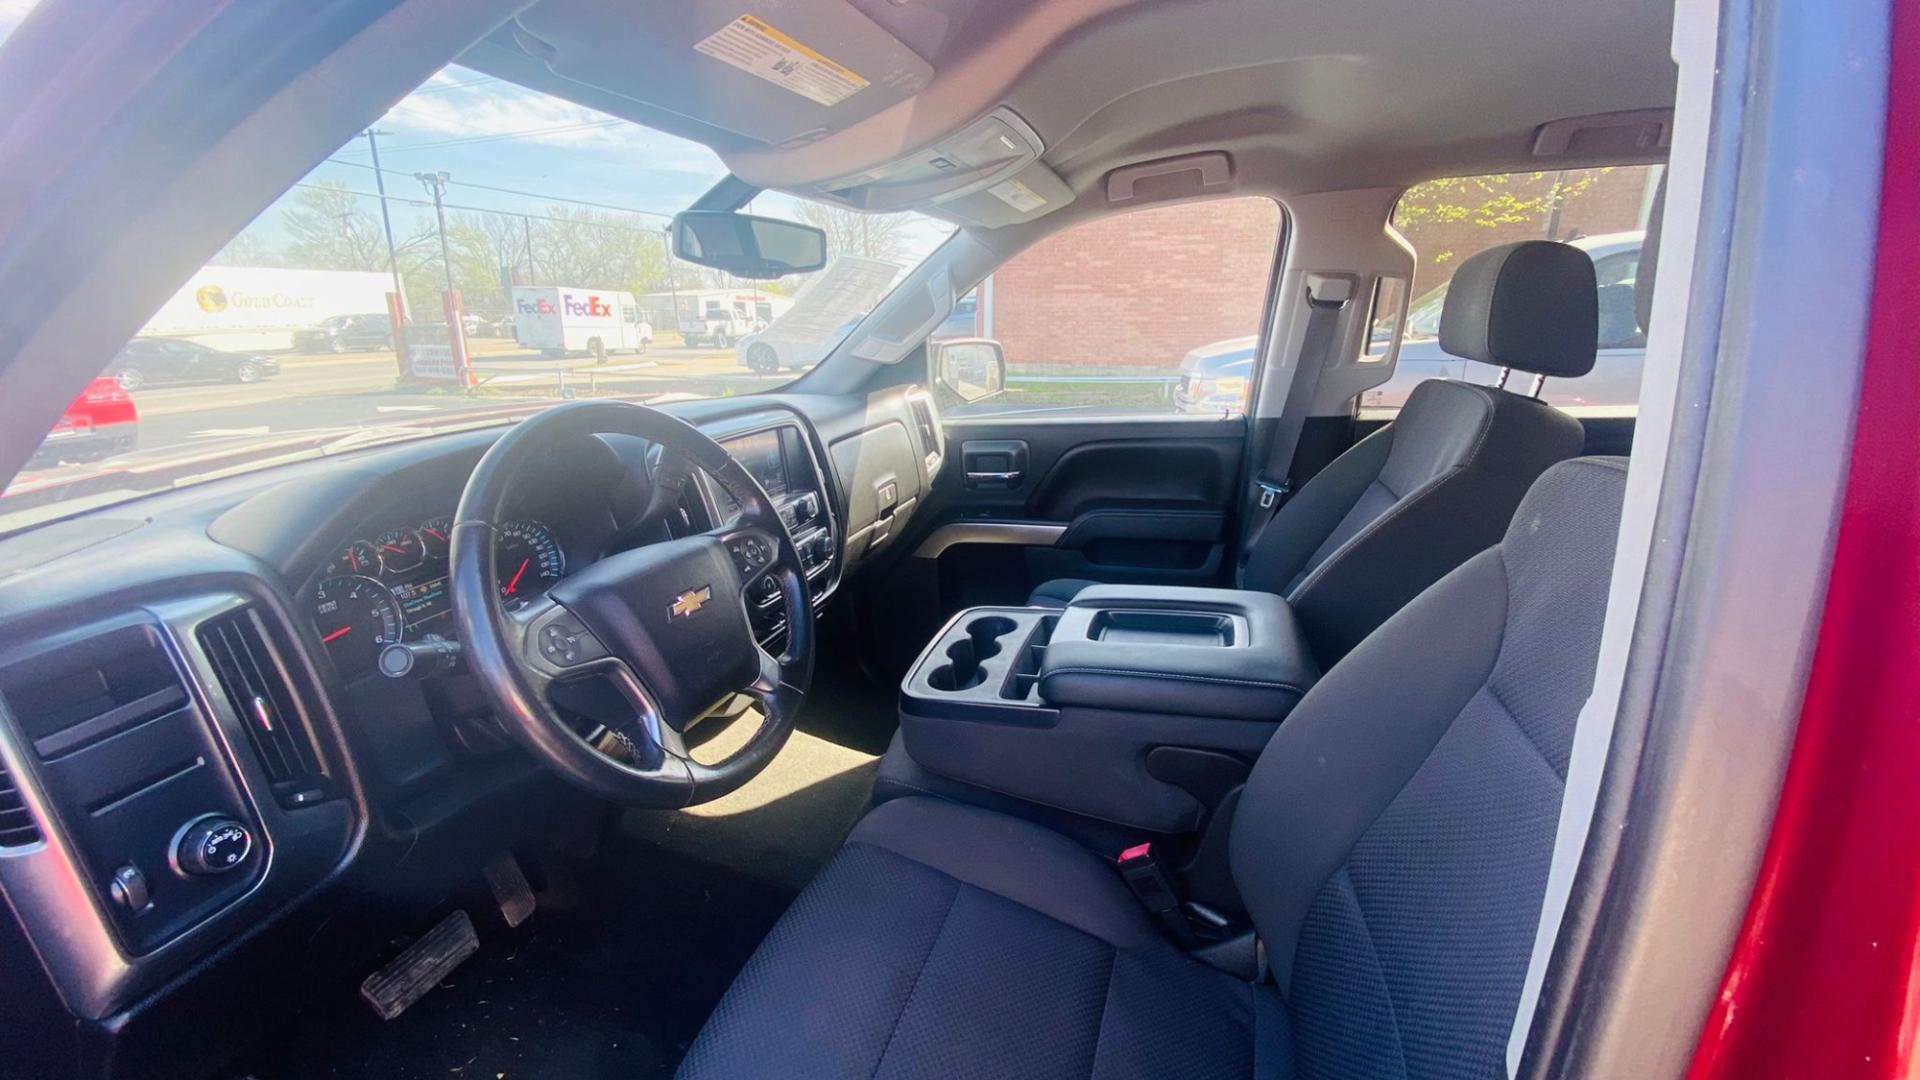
x=589, y=247
x=1491, y=202
x=850, y=232
x=329, y=229
x=247, y=249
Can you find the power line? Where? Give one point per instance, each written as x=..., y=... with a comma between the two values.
x=513, y=191
x=554, y=129
x=423, y=204
x=442, y=87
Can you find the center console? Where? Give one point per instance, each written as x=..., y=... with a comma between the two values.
x=1124, y=707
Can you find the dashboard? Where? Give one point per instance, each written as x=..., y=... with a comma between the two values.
x=200, y=668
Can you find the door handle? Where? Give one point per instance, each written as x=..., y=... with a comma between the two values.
x=993, y=462
x=975, y=479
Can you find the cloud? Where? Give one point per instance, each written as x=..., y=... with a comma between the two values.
x=458, y=104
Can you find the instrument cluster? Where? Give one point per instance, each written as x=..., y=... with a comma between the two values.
x=393, y=587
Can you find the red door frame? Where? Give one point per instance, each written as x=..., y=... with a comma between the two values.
x=1822, y=981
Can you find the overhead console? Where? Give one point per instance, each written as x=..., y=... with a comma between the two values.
x=987, y=173
x=1130, y=706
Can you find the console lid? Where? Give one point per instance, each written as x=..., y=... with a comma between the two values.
x=1202, y=652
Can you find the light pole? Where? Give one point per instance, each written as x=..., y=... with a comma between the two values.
x=386, y=219
x=673, y=288
x=437, y=184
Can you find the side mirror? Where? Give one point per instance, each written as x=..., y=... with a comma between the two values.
x=745, y=246
x=969, y=369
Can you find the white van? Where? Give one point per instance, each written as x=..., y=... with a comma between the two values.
x=560, y=320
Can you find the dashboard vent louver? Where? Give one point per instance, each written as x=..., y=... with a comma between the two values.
x=17, y=828
x=256, y=685
x=929, y=434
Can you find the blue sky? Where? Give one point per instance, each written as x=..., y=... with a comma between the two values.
x=482, y=130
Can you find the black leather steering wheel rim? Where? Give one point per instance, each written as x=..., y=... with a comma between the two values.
x=666, y=624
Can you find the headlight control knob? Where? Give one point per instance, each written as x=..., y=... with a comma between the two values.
x=213, y=845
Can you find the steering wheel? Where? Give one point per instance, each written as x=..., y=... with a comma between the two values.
x=665, y=624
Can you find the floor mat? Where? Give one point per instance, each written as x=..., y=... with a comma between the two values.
x=619, y=982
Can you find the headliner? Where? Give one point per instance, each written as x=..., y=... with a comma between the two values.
x=1307, y=96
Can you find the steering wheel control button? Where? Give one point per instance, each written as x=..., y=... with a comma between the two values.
x=564, y=642
x=213, y=845
x=750, y=554
x=129, y=889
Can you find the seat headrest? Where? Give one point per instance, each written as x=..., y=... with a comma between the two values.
x=1532, y=306
x=1649, y=265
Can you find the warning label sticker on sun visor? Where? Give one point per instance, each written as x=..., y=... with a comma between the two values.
x=759, y=49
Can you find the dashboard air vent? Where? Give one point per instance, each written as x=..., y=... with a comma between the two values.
x=257, y=687
x=929, y=433
x=17, y=828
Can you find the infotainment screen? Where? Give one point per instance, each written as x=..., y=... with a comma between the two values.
x=763, y=457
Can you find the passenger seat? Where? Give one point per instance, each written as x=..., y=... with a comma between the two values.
x=1427, y=492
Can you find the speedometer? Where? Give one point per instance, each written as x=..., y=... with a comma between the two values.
x=528, y=560
x=356, y=617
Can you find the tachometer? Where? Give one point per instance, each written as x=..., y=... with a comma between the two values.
x=528, y=560
x=356, y=617
x=400, y=550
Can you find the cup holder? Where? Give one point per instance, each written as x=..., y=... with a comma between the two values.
x=963, y=670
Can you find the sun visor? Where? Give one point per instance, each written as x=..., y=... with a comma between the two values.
x=781, y=74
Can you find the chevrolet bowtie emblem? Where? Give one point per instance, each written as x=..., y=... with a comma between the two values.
x=689, y=602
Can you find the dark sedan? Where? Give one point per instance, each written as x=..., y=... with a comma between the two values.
x=153, y=361
x=347, y=333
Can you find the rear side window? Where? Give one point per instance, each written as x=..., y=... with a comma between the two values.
x=1152, y=311
x=1601, y=211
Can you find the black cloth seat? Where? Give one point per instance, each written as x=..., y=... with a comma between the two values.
x=946, y=940
x=1391, y=847
x=1422, y=495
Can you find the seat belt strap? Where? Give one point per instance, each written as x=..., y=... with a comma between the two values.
x=1327, y=297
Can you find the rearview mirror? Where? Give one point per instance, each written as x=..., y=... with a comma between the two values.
x=970, y=369
x=747, y=246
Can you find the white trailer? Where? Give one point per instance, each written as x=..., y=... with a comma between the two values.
x=824, y=312
x=560, y=320
x=259, y=309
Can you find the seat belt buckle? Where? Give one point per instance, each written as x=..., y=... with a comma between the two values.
x=1149, y=883
x=1271, y=493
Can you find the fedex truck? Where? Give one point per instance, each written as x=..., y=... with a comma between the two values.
x=261, y=309
x=560, y=320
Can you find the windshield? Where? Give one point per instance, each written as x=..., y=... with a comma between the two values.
x=479, y=253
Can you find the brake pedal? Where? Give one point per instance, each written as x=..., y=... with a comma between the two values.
x=510, y=889
x=394, y=988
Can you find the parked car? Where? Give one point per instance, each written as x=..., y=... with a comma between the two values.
x=100, y=423
x=347, y=333
x=765, y=353
x=152, y=361
x=1216, y=377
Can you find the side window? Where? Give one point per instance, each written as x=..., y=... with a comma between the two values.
x=1601, y=211
x=1153, y=311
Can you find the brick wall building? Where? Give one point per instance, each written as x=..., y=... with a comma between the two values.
x=1138, y=291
